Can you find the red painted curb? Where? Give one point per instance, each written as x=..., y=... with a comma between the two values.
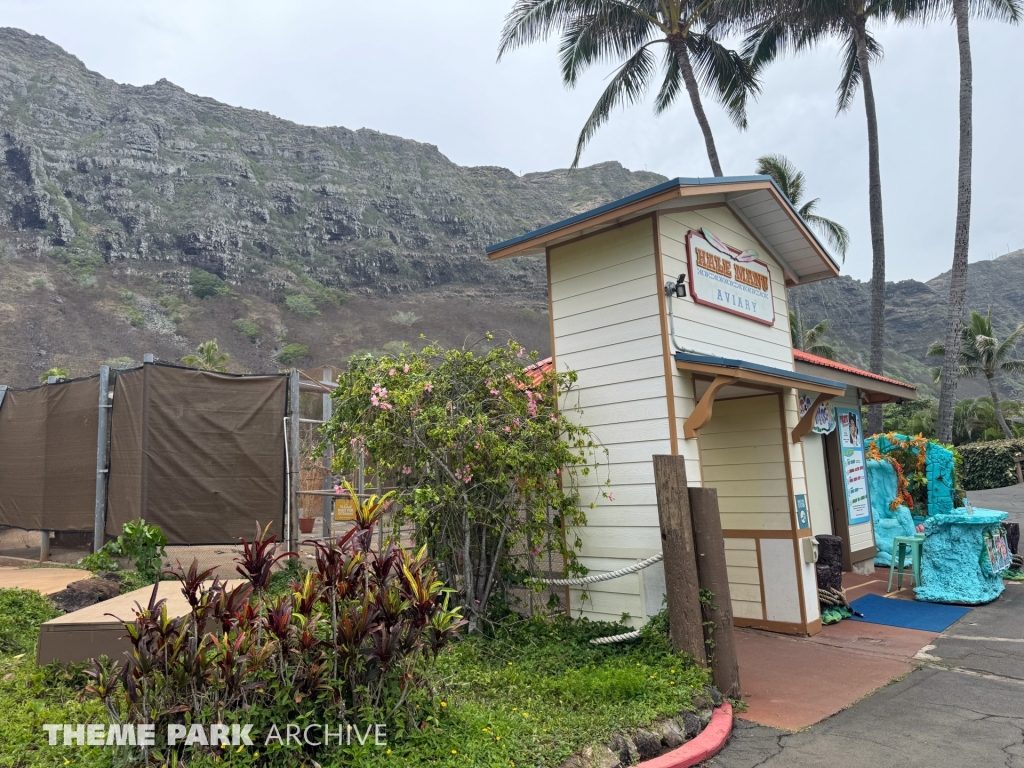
x=707, y=743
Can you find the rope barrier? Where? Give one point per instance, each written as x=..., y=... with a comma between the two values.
x=616, y=638
x=599, y=577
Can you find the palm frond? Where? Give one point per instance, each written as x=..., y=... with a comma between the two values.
x=725, y=73
x=1001, y=10
x=837, y=236
x=671, y=85
x=937, y=349
x=785, y=174
x=808, y=208
x=627, y=86
x=1010, y=342
x=814, y=335
x=612, y=32
x=532, y=21
x=823, y=350
x=1012, y=366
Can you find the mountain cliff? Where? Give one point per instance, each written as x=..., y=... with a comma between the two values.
x=148, y=219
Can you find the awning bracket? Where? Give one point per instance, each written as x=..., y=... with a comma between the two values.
x=701, y=414
x=807, y=421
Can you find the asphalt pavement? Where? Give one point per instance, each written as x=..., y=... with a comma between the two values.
x=962, y=707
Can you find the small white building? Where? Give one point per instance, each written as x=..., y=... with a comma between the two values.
x=671, y=306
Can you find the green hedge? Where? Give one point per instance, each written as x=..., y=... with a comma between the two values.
x=989, y=464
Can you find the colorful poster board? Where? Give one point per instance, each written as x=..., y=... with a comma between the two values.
x=824, y=420
x=855, y=476
x=997, y=550
x=720, y=279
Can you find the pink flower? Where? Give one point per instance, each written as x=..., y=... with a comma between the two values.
x=406, y=470
x=374, y=400
x=508, y=429
x=385, y=406
x=552, y=417
x=611, y=497
x=392, y=372
x=428, y=387
x=494, y=392
x=520, y=352
x=477, y=446
x=467, y=478
x=338, y=489
x=406, y=369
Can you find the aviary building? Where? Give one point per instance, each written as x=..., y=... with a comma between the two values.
x=671, y=306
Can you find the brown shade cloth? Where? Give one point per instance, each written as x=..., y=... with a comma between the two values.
x=201, y=454
x=48, y=456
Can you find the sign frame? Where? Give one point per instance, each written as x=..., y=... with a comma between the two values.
x=853, y=457
x=693, y=288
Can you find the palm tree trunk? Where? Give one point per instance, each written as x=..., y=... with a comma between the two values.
x=962, y=234
x=698, y=108
x=997, y=407
x=877, y=228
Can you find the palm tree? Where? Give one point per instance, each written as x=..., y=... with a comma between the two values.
x=810, y=340
x=594, y=31
x=61, y=374
x=791, y=182
x=208, y=357
x=981, y=353
x=1008, y=10
x=781, y=25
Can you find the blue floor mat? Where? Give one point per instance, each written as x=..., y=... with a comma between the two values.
x=931, y=617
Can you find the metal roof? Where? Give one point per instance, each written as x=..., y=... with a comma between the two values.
x=756, y=201
x=746, y=365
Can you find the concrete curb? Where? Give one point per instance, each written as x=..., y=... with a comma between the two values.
x=707, y=743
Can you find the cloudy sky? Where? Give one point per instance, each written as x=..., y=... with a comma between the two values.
x=427, y=71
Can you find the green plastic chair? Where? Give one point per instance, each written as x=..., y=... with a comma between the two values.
x=900, y=546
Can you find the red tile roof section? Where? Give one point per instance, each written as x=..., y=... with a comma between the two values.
x=538, y=369
x=806, y=357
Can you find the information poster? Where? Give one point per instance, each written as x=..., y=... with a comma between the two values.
x=803, y=517
x=851, y=444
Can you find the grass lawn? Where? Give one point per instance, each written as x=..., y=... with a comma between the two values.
x=532, y=695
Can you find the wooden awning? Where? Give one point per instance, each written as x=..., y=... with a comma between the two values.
x=728, y=372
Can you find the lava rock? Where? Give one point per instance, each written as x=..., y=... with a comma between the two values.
x=673, y=733
x=714, y=694
x=648, y=744
x=82, y=594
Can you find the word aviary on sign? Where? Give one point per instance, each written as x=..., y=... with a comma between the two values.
x=728, y=279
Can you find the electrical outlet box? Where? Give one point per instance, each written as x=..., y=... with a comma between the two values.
x=810, y=546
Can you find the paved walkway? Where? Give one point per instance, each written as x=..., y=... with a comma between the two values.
x=45, y=580
x=962, y=705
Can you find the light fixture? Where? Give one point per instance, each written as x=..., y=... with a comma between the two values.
x=676, y=288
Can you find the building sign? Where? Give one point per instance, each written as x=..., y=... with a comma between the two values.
x=997, y=551
x=824, y=421
x=727, y=279
x=803, y=517
x=855, y=477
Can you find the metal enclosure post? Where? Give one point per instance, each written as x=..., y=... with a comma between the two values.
x=3, y=393
x=328, y=485
x=149, y=357
x=295, y=460
x=44, y=546
x=99, y=524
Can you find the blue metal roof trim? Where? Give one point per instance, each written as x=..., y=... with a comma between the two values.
x=726, y=362
x=681, y=181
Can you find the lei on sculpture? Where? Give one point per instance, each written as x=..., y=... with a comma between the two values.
x=918, y=445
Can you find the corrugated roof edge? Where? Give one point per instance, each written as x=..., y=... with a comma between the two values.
x=649, y=192
x=824, y=362
x=727, y=362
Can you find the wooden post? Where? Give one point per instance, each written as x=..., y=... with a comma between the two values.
x=102, y=452
x=328, y=485
x=1020, y=474
x=682, y=587
x=711, y=571
x=294, y=450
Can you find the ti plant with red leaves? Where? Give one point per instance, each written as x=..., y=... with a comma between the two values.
x=354, y=635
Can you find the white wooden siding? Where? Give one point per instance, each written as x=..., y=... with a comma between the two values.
x=605, y=313
x=744, y=578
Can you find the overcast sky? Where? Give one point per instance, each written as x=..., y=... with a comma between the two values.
x=427, y=71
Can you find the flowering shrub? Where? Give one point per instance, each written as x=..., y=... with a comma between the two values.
x=350, y=639
x=484, y=459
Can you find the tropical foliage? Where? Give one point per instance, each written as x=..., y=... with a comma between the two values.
x=208, y=357
x=810, y=339
x=630, y=31
x=487, y=455
x=982, y=354
x=60, y=374
x=355, y=634
x=791, y=182
x=990, y=464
